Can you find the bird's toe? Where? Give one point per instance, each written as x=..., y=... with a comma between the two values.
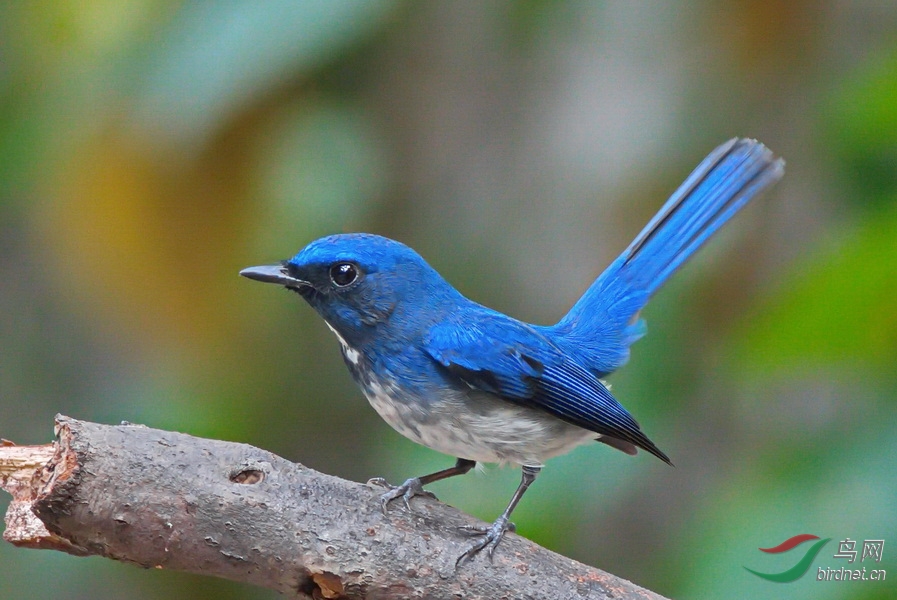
x=408, y=490
x=492, y=536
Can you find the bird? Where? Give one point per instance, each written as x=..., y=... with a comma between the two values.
x=471, y=382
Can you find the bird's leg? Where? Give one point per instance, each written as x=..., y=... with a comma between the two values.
x=493, y=533
x=415, y=486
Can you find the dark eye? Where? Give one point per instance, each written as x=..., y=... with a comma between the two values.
x=342, y=274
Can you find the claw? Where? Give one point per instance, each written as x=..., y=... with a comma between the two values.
x=492, y=535
x=408, y=490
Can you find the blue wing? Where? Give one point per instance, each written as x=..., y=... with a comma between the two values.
x=512, y=360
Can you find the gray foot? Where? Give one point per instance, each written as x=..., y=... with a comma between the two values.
x=492, y=535
x=406, y=491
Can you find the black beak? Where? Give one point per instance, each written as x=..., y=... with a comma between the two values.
x=273, y=274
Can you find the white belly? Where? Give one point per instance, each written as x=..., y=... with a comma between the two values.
x=472, y=424
x=479, y=427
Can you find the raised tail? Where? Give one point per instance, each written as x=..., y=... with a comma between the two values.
x=603, y=323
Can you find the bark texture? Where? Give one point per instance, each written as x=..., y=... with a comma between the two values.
x=169, y=500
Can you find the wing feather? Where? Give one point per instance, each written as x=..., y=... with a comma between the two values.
x=512, y=360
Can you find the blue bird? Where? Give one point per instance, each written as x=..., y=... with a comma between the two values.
x=476, y=384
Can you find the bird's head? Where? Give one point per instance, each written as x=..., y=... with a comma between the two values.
x=360, y=281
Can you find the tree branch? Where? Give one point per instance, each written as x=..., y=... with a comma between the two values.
x=169, y=500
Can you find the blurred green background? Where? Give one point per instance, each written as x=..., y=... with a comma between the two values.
x=150, y=149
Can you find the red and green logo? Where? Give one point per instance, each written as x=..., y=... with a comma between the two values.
x=798, y=570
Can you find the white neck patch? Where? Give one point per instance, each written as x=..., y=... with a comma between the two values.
x=350, y=353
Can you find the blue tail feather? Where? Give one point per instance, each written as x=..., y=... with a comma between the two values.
x=603, y=323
